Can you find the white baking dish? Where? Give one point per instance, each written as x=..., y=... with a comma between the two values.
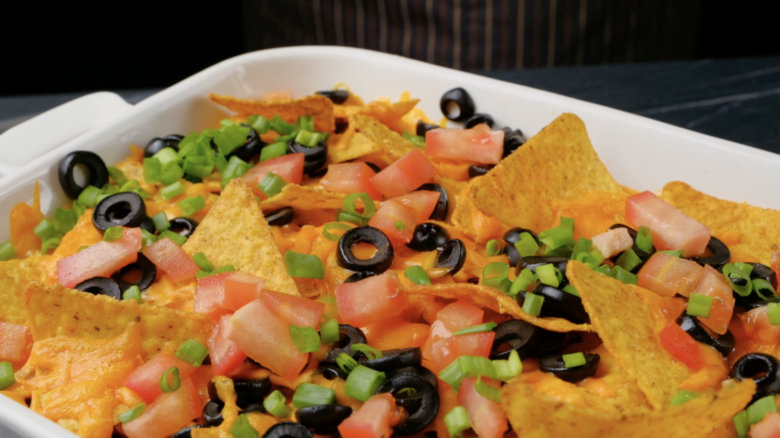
x=640, y=153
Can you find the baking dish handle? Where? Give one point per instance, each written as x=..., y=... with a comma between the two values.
x=56, y=127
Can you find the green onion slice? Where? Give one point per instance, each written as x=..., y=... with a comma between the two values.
x=368, y=205
x=581, y=249
x=131, y=414
x=192, y=352
x=276, y=405
x=417, y=275
x=272, y=184
x=177, y=238
x=473, y=366
x=241, y=428
x=493, y=248
x=732, y=273
x=521, y=283
x=557, y=237
x=675, y=253
x=773, y=313
x=65, y=220
x=152, y=170
x=117, y=175
x=740, y=424
x=335, y=226
x=493, y=274
x=303, y=265
x=306, y=339
x=510, y=368
x=329, y=331
x=481, y=328
x=273, y=151
x=88, y=196
x=259, y=123
x=487, y=391
x=191, y=206
x=764, y=289
x=363, y=382
x=51, y=243
x=628, y=260
x=532, y=304
x=7, y=252
x=370, y=352
x=644, y=240
x=132, y=293
x=699, y=305
x=280, y=126
x=457, y=421
x=343, y=216
x=526, y=245
x=547, y=275
x=683, y=396
x=571, y=289
x=744, y=267
x=6, y=375
x=309, y=394
x=112, y=234
x=44, y=229
x=452, y=375
x=618, y=273
x=346, y=362
x=758, y=410
x=170, y=380
x=202, y=261
x=574, y=360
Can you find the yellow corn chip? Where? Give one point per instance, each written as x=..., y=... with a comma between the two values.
x=755, y=230
x=479, y=227
x=385, y=138
x=349, y=146
x=306, y=198
x=627, y=326
x=492, y=298
x=15, y=275
x=391, y=114
x=320, y=107
x=557, y=163
x=535, y=415
x=57, y=311
x=236, y=233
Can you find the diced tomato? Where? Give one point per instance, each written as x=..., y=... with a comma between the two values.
x=375, y=419
x=100, y=260
x=145, y=380
x=210, y=296
x=668, y=275
x=757, y=326
x=670, y=227
x=265, y=337
x=385, y=219
x=486, y=416
x=225, y=355
x=476, y=145
x=422, y=201
x=294, y=310
x=408, y=173
x=769, y=427
x=459, y=315
x=168, y=414
x=370, y=300
x=15, y=342
x=350, y=178
x=289, y=167
x=613, y=242
x=171, y=259
x=682, y=346
x=446, y=350
x=714, y=284
x=242, y=288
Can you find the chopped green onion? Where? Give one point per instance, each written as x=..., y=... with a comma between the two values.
x=306, y=339
x=152, y=170
x=740, y=423
x=320, y=137
x=79, y=208
x=171, y=173
x=329, y=331
x=764, y=289
x=117, y=175
x=44, y=229
x=226, y=122
x=346, y=362
x=83, y=247
x=399, y=225
x=363, y=382
x=508, y=369
x=618, y=273
x=699, y=305
x=597, y=257
x=273, y=151
x=220, y=270
x=7, y=252
x=177, y=238
x=6, y=375
x=473, y=366
x=170, y=380
x=132, y=293
x=368, y=205
x=172, y=191
x=526, y=245
x=487, y=391
x=370, y=352
x=202, y=261
x=51, y=243
x=452, y=375
x=481, y=328
x=241, y=428
x=192, y=352
x=306, y=123
x=733, y=272
x=603, y=269
x=581, y=249
x=235, y=168
x=147, y=238
x=272, y=184
x=343, y=216
x=564, y=251
x=65, y=220
x=198, y=166
x=306, y=138
x=674, y=253
x=191, y=206
x=758, y=410
x=334, y=226
x=131, y=414
x=161, y=222
x=628, y=260
x=130, y=186
x=744, y=267
x=276, y=405
x=571, y=289
x=408, y=392
x=532, y=304
x=457, y=421
x=112, y=234
x=88, y=196
x=493, y=248
x=574, y=360
x=417, y=275
x=230, y=138
x=417, y=140
x=568, y=222
x=522, y=282
x=493, y=274
x=644, y=240
x=280, y=126
x=557, y=237
x=166, y=155
x=309, y=394
x=221, y=162
x=259, y=123
x=773, y=313
x=303, y=265
x=547, y=275
x=683, y=396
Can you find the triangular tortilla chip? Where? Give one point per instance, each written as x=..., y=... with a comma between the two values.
x=627, y=327
x=290, y=110
x=15, y=275
x=535, y=415
x=236, y=233
x=557, y=163
x=305, y=198
x=384, y=137
x=754, y=231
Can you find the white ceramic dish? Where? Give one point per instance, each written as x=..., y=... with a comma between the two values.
x=640, y=153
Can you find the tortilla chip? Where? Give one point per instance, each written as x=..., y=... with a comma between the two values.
x=557, y=163
x=535, y=415
x=385, y=138
x=758, y=228
x=306, y=198
x=477, y=226
x=593, y=213
x=15, y=275
x=391, y=114
x=493, y=299
x=236, y=233
x=290, y=110
x=351, y=145
x=627, y=327
x=58, y=311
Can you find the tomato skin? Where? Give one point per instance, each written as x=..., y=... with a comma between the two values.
x=444, y=351
x=225, y=355
x=370, y=300
x=168, y=414
x=386, y=217
x=668, y=275
x=265, y=337
x=486, y=416
x=350, y=178
x=459, y=315
x=682, y=346
x=374, y=419
x=210, y=296
x=145, y=380
x=100, y=260
x=714, y=284
x=293, y=310
x=169, y=257
x=758, y=328
x=242, y=288
x=769, y=427
x=422, y=201
x=670, y=227
x=15, y=342
x=408, y=173
x=289, y=167
x=476, y=145
x=613, y=242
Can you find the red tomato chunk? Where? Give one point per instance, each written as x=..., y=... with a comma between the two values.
x=145, y=380
x=100, y=260
x=225, y=355
x=390, y=213
x=168, y=414
x=375, y=419
x=670, y=227
x=476, y=145
x=350, y=178
x=171, y=259
x=668, y=275
x=15, y=342
x=682, y=346
x=289, y=167
x=370, y=300
x=486, y=416
x=294, y=310
x=714, y=284
x=422, y=201
x=408, y=173
x=221, y=294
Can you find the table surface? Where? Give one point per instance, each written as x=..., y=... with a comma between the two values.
x=734, y=99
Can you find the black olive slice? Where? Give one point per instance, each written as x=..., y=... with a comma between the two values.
x=642, y=254
x=753, y=365
x=96, y=168
x=533, y=262
x=183, y=226
x=560, y=304
x=423, y=127
x=251, y=391
x=550, y=342
x=148, y=225
x=460, y=98
x=512, y=236
x=452, y=256
x=378, y=263
x=323, y=419
x=720, y=254
x=288, y=429
x=479, y=169
x=187, y=431
x=280, y=217
x=251, y=147
x=512, y=141
x=425, y=399
x=331, y=371
x=310, y=153
x=428, y=236
x=348, y=335
x=101, y=286
x=394, y=359
x=518, y=336
x=312, y=167
x=418, y=370
x=126, y=209
x=336, y=96
x=442, y=205
x=722, y=343
x=157, y=144
x=478, y=118
x=358, y=276
x=254, y=407
x=554, y=364
x=212, y=413
x=143, y=268
x=763, y=272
